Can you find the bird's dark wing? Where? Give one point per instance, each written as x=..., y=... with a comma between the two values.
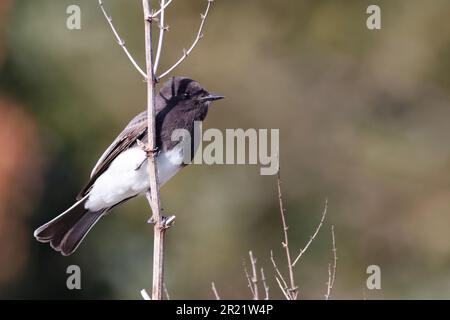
x=136, y=129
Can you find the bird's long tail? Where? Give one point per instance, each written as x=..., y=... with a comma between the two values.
x=67, y=230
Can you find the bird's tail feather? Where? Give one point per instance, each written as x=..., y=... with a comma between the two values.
x=67, y=230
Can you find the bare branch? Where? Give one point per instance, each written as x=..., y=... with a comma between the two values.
x=266, y=287
x=254, y=277
x=275, y=266
x=331, y=268
x=249, y=279
x=213, y=287
x=283, y=289
x=162, y=30
x=302, y=251
x=293, y=289
x=120, y=41
x=160, y=224
x=186, y=53
x=279, y=277
x=334, y=256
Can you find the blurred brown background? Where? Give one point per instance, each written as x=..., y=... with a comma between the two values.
x=363, y=118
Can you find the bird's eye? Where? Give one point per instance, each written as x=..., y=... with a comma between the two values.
x=186, y=95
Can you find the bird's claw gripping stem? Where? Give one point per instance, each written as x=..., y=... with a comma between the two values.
x=147, y=149
x=166, y=222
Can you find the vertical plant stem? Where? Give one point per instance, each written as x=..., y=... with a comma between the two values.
x=162, y=30
x=293, y=290
x=154, y=197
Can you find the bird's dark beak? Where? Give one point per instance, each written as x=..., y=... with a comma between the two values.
x=212, y=97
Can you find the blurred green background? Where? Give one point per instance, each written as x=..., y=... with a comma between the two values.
x=363, y=117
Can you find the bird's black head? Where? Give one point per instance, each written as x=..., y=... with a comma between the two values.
x=186, y=95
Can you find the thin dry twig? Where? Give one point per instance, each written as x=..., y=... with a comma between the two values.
x=279, y=277
x=199, y=36
x=120, y=41
x=275, y=266
x=302, y=251
x=290, y=290
x=249, y=279
x=162, y=30
x=266, y=287
x=254, y=277
x=284, y=290
x=293, y=289
x=331, y=268
x=214, y=290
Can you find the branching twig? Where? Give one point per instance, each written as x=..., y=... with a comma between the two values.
x=163, y=7
x=283, y=289
x=120, y=41
x=302, y=251
x=275, y=266
x=186, y=53
x=290, y=290
x=160, y=223
x=279, y=277
x=331, y=268
x=162, y=30
x=153, y=195
x=216, y=294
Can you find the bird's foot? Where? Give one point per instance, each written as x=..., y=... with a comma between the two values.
x=150, y=151
x=165, y=222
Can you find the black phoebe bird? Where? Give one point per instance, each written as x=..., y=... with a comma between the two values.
x=121, y=172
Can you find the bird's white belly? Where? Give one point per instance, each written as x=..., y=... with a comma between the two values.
x=127, y=176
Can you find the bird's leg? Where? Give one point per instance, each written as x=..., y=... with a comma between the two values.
x=166, y=222
x=140, y=165
x=148, y=151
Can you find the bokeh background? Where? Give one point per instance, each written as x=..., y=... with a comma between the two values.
x=363, y=118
